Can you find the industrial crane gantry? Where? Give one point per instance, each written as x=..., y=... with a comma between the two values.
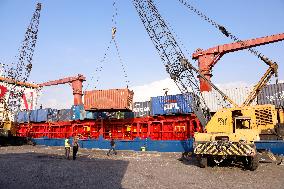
x=76, y=84
x=207, y=59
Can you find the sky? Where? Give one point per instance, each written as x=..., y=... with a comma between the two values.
x=73, y=37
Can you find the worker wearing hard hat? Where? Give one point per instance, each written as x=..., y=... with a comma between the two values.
x=67, y=148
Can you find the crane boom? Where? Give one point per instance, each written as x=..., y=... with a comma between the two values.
x=208, y=58
x=178, y=67
x=63, y=80
x=20, y=70
x=76, y=84
x=26, y=50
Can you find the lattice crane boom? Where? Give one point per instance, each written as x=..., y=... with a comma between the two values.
x=20, y=70
x=172, y=55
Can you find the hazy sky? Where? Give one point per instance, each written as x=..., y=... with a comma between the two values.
x=73, y=36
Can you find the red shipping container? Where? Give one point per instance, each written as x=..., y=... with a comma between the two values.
x=111, y=99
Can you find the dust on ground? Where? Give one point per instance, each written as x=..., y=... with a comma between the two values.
x=45, y=167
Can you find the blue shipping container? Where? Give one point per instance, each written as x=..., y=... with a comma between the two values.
x=171, y=104
x=76, y=111
x=52, y=115
x=90, y=115
x=33, y=116
x=39, y=115
x=23, y=117
x=42, y=115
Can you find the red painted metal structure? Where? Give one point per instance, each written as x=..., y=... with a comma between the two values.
x=176, y=127
x=76, y=84
x=208, y=58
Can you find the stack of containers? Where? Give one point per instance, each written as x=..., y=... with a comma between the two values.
x=41, y=115
x=272, y=94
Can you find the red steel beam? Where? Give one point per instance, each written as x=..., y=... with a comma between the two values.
x=208, y=58
x=76, y=83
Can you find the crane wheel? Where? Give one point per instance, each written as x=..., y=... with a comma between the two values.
x=203, y=162
x=251, y=163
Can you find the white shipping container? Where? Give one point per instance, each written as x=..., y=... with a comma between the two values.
x=238, y=95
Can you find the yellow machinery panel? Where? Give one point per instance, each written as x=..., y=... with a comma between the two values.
x=241, y=123
x=263, y=117
x=221, y=122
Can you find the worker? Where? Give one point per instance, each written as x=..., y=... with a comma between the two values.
x=67, y=148
x=112, y=147
x=75, y=147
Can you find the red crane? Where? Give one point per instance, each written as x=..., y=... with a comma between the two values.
x=76, y=84
x=208, y=58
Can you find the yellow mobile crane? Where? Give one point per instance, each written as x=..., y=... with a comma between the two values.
x=231, y=132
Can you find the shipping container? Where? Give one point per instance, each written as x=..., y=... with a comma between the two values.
x=90, y=115
x=141, y=109
x=65, y=115
x=23, y=117
x=52, y=115
x=76, y=111
x=119, y=115
x=272, y=94
x=215, y=102
x=171, y=104
x=40, y=115
x=100, y=115
x=112, y=99
x=33, y=116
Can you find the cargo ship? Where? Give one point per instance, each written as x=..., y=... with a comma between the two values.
x=165, y=123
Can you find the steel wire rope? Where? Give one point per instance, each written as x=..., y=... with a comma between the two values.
x=99, y=68
x=228, y=34
x=114, y=30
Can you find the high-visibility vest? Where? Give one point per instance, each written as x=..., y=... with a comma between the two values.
x=67, y=144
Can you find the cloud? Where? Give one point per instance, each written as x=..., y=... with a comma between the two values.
x=144, y=92
x=59, y=97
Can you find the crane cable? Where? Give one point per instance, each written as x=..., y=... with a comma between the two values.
x=113, y=40
x=225, y=32
x=114, y=30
